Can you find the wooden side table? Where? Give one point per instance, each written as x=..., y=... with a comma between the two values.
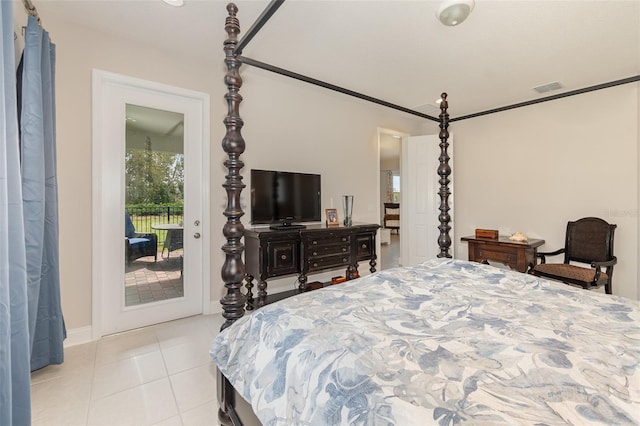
x=516, y=255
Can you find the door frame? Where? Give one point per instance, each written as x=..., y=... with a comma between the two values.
x=102, y=82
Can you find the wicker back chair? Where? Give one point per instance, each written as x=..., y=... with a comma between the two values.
x=392, y=216
x=588, y=241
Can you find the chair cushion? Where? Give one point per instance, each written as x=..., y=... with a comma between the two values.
x=129, y=229
x=572, y=272
x=140, y=241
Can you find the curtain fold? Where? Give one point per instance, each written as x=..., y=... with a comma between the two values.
x=40, y=197
x=31, y=325
x=15, y=386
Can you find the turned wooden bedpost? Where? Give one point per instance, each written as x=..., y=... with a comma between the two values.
x=444, y=171
x=233, y=270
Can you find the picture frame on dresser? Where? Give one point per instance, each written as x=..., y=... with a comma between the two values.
x=332, y=217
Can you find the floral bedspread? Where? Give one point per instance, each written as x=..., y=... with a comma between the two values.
x=444, y=342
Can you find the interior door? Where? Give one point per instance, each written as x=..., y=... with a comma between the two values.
x=420, y=198
x=176, y=143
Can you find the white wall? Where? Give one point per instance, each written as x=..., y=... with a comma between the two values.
x=78, y=51
x=293, y=126
x=533, y=169
x=289, y=126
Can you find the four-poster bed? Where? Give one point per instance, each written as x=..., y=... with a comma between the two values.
x=442, y=342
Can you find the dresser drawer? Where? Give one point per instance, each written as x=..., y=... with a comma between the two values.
x=317, y=251
x=498, y=256
x=332, y=238
x=364, y=246
x=328, y=262
x=283, y=258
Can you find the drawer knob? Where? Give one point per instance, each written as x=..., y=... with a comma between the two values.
x=283, y=257
x=344, y=249
x=315, y=253
x=314, y=242
x=344, y=259
x=364, y=246
x=344, y=239
x=315, y=265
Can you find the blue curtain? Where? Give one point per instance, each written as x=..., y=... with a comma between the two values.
x=40, y=197
x=31, y=325
x=15, y=389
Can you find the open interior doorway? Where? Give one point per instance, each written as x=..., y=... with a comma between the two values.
x=390, y=184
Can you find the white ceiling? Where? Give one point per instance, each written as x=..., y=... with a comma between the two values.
x=154, y=121
x=397, y=50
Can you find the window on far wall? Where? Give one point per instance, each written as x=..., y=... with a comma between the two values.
x=396, y=188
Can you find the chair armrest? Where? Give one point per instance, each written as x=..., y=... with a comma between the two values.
x=542, y=254
x=600, y=265
x=611, y=262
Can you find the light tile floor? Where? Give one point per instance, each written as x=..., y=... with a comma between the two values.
x=158, y=375
x=390, y=253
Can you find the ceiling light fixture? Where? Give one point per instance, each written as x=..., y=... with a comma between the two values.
x=454, y=12
x=176, y=3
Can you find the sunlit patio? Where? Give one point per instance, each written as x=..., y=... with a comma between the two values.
x=148, y=281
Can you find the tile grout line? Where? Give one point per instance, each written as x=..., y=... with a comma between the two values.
x=93, y=377
x=166, y=370
x=133, y=386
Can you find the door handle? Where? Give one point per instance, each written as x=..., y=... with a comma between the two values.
x=196, y=235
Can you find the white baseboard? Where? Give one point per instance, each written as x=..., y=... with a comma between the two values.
x=78, y=336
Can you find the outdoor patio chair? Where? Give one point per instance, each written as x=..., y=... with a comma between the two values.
x=136, y=244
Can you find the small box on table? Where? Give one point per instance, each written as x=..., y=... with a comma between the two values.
x=490, y=234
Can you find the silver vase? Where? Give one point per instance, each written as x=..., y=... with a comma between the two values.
x=347, y=205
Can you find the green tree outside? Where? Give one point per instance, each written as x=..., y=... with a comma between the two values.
x=154, y=177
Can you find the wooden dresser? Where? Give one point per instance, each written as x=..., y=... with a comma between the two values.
x=516, y=255
x=316, y=248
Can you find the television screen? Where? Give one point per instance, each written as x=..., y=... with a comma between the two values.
x=284, y=196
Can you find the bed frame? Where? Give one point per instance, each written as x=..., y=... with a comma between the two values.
x=234, y=410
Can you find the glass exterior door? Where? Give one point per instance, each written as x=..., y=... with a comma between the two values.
x=150, y=209
x=154, y=205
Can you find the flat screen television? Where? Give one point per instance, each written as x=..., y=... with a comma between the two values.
x=279, y=197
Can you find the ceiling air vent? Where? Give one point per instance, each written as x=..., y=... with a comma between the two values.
x=428, y=109
x=548, y=87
